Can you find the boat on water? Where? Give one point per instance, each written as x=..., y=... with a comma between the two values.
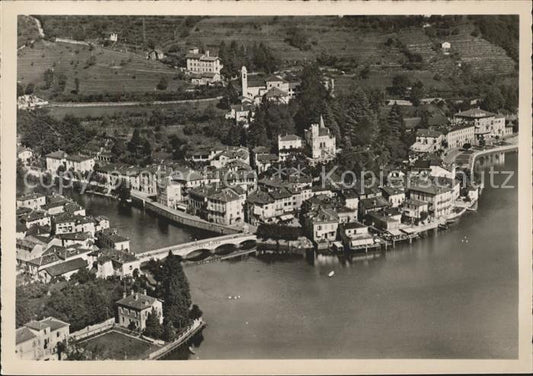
x=331, y=274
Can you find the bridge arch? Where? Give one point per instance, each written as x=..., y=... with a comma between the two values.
x=225, y=249
x=247, y=244
x=198, y=254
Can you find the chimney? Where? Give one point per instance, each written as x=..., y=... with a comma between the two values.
x=207, y=53
x=123, y=294
x=136, y=296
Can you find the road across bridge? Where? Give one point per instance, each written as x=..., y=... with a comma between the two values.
x=219, y=245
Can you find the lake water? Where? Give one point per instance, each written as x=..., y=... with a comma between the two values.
x=441, y=297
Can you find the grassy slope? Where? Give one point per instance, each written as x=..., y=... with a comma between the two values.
x=26, y=30
x=366, y=47
x=107, y=75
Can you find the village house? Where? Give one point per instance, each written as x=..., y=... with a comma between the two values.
x=262, y=159
x=242, y=113
x=68, y=224
x=109, y=238
x=439, y=199
x=414, y=210
x=29, y=248
x=460, y=135
x=487, y=126
x=63, y=270
x=77, y=163
x=385, y=220
x=55, y=255
x=230, y=154
x=133, y=310
x=445, y=47
x=101, y=223
x=112, y=262
x=289, y=145
x=203, y=68
x=321, y=224
x=238, y=174
x=427, y=141
x=31, y=200
x=81, y=239
x=355, y=235
x=29, y=102
x=394, y=195
x=155, y=54
x=321, y=143
x=169, y=192
x=38, y=340
x=24, y=154
x=219, y=205
x=34, y=218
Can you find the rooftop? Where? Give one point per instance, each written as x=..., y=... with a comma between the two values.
x=474, y=113
x=66, y=267
x=137, y=301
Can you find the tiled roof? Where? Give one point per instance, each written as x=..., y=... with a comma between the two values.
x=137, y=301
x=428, y=133
x=275, y=92
x=289, y=137
x=23, y=334
x=351, y=225
x=65, y=267
x=474, y=113
x=59, y=154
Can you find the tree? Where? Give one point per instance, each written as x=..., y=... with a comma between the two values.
x=77, y=84
x=400, y=83
x=48, y=77
x=135, y=141
x=195, y=312
x=162, y=84
x=153, y=328
x=118, y=150
x=20, y=89
x=311, y=99
x=30, y=88
x=494, y=100
x=365, y=73
x=169, y=333
x=175, y=292
x=417, y=93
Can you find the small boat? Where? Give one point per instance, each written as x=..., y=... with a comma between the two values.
x=331, y=274
x=191, y=350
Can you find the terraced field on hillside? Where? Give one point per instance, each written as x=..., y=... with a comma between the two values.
x=113, y=71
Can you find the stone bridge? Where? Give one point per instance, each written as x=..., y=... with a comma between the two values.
x=220, y=245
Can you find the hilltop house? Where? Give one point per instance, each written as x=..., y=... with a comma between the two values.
x=203, y=68
x=133, y=310
x=38, y=340
x=155, y=54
